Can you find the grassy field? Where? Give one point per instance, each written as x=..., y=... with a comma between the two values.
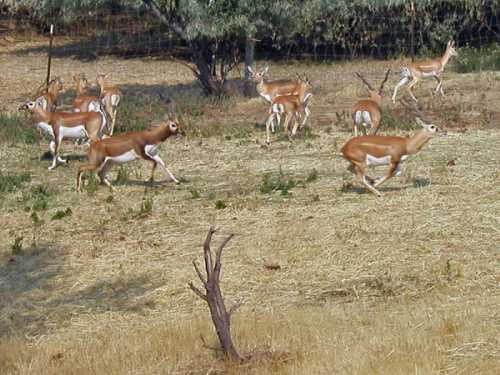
x=408, y=283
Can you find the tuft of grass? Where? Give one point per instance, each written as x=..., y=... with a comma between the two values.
x=220, y=204
x=92, y=184
x=312, y=176
x=14, y=128
x=146, y=206
x=12, y=182
x=17, y=246
x=62, y=214
x=123, y=174
x=277, y=182
x=37, y=198
x=477, y=59
x=195, y=194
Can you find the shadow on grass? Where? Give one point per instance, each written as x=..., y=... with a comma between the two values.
x=38, y=292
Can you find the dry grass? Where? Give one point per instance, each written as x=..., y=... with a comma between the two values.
x=404, y=284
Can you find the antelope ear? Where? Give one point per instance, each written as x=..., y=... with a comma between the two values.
x=264, y=69
x=250, y=70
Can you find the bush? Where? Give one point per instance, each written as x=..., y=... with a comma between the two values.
x=478, y=59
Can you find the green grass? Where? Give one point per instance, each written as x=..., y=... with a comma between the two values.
x=15, y=127
x=12, y=182
x=478, y=59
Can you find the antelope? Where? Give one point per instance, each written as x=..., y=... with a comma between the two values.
x=127, y=147
x=83, y=102
x=366, y=112
x=270, y=89
x=62, y=125
x=49, y=96
x=424, y=69
x=374, y=150
x=87, y=103
x=292, y=106
x=110, y=96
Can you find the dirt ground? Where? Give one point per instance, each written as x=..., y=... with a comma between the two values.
x=406, y=283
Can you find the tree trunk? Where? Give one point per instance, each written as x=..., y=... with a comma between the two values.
x=249, y=62
x=213, y=296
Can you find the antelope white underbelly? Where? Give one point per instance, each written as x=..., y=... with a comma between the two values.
x=385, y=160
x=123, y=158
x=429, y=74
x=73, y=132
x=45, y=128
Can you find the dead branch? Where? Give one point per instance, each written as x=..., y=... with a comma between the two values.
x=221, y=317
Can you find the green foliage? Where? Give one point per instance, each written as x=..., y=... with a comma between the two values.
x=37, y=198
x=92, y=184
x=195, y=194
x=11, y=182
x=59, y=214
x=478, y=59
x=220, y=204
x=277, y=182
x=122, y=175
x=14, y=127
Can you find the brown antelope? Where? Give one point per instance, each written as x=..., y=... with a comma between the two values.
x=49, y=96
x=62, y=125
x=370, y=150
x=127, y=147
x=110, y=96
x=88, y=103
x=82, y=101
x=416, y=71
x=366, y=112
x=292, y=106
x=270, y=89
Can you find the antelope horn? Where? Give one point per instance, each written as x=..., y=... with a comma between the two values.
x=364, y=81
x=384, y=81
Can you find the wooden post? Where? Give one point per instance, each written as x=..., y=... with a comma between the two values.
x=412, y=31
x=249, y=61
x=50, y=54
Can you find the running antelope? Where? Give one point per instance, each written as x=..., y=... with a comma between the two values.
x=292, y=106
x=372, y=150
x=366, y=112
x=127, y=147
x=270, y=89
x=62, y=125
x=425, y=69
x=110, y=97
x=49, y=96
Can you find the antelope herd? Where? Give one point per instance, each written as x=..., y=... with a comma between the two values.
x=93, y=121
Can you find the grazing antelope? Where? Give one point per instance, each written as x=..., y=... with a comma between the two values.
x=62, y=125
x=424, y=69
x=270, y=89
x=49, y=96
x=110, y=96
x=128, y=147
x=369, y=150
x=292, y=106
x=366, y=112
